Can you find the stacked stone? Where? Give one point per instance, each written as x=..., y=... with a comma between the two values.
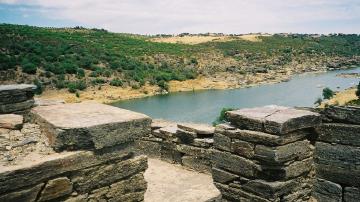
x=16, y=98
x=195, y=145
x=94, y=159
x=263, y=155
x=337, y=156
x=188, y=144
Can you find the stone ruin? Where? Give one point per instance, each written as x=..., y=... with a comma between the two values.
x=95, y=152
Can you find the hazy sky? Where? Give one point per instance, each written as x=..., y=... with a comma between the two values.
x=194, y=16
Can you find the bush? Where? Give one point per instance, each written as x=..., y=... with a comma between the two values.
x=29, y=68
x=222, y=118
x=78, y=85
x=69, y=68
x=80, y=73
x=328, y=93
x=39, y=87
x=97, y=81
x=163, y=85
x=318, y=101
x=116, y=82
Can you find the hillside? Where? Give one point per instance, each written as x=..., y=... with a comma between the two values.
x=86, y=60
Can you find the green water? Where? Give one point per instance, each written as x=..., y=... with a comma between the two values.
x=204, y=106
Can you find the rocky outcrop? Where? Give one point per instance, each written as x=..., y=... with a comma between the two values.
x=263, y=155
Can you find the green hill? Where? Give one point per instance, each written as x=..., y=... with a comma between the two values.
x=75, y=58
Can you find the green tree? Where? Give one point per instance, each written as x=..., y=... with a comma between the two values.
x=327, y=93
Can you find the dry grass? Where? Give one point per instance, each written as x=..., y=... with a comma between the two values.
x=192, y=40
x=342, y=97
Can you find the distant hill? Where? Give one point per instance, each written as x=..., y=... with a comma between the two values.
x=76, y=58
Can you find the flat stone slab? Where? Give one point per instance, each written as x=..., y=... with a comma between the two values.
x=89, y=125
x=273, y=119
x=48, y=102
x=202, y=129
x=16, y=93
x=161, y=123
x=11, y=121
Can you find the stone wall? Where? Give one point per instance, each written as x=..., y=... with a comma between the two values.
x=71, y=152
x=337, y=156
x=187, y=144
x=263, y=155
x=16, y=98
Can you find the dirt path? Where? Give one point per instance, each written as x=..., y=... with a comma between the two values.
x=172, y=183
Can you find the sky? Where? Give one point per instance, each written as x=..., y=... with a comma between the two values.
x=193, y=16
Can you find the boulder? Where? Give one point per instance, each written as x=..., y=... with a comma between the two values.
x=274, y=119
x=89, y=125
x=11, y=121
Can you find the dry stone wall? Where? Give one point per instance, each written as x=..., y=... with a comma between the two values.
x=16, y=98
x=337, y=156
x=70, y=152
x=263, y=155
x=187, y=144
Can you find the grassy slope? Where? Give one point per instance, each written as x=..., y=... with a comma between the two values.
x=76, y=58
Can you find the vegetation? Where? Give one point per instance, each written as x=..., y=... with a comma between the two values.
x=358, y=91
x=327, y=93
x=318, y=101
x=76, y=57
x=222, y=117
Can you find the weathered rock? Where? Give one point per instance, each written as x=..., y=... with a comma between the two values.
x=47, y=102
x=151, y=149
x=293, y=170
x=16, y=107
x=293, y=151
x=242, y=148
x=274, y=119
x=236, y=194
x=203, y=142
x=338, y=163
x=88, y=179
x=36, y=170
x=270, y=190
x=200, y=129
x=89, y=125
x=299, y=195
x=11, y=121
x=351, y=194
x=339, y=133
x=194, y=151
x=125, y=190
x=234, y=163
x=167, y=133
x=56, y=188
x=197, y=163
x=348, y=114
x=160, y=123
x=222, y=142
x=170, y=153
x=185, y=137
x=263, y=138
x=326, y=191
x=25, y=195
x=10, y=94
x=222, y=176
x=80, y=198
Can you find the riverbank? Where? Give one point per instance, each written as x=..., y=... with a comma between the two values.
x=222, y=81
x=341, y=98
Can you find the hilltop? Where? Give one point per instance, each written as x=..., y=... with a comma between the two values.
x=97, y=64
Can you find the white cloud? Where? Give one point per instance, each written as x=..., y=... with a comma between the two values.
x=229, y=16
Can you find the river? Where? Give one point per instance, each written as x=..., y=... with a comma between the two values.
x=204, y=106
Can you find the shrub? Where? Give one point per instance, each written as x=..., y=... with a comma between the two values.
x=97, y=81
x=69, y=68
x=78, y=85
x=318, y=101
x=328, y=93
x=80, y=73
x=29, y=68
x=39, y=87
x=60, y=84
x=163, y=85
x=77, y=94
x=222, y=117
x=71, y=87
x=116, y=82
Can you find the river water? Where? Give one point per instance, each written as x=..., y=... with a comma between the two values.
x=204, y=106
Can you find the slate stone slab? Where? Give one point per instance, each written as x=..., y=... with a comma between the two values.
x=274, y=119
x=56, y=188
x=89, y=125
x=16, y=107
x=201, y=129
x=10, y=94
x=348, y=114
x=338, y=163
x=326, y=191
x=11, y=121
x=340, y=133
x=352, y=194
